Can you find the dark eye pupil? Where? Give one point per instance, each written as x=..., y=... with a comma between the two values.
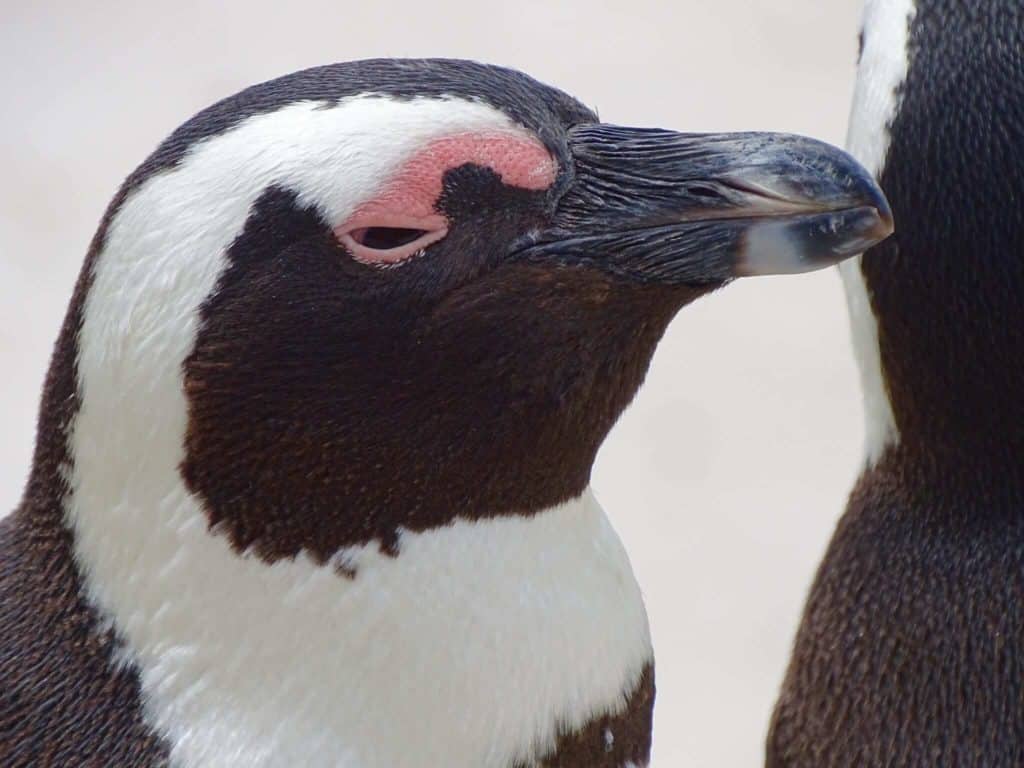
x=385, y=238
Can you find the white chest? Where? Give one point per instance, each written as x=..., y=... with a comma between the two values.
x=465, y=650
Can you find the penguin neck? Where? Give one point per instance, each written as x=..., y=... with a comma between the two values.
x=950, y=355
x=310, y=653
x=945, y=291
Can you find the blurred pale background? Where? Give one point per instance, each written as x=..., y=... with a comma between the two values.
x=726, y=476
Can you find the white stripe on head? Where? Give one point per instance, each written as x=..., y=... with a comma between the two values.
x=466, y=650
x=883, y=68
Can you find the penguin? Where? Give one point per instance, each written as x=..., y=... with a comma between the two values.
x=911, y=647
x=311, y=481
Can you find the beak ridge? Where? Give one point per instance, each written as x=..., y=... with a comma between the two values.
x=660, y=206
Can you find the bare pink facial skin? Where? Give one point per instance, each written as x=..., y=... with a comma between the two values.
x=408, y=200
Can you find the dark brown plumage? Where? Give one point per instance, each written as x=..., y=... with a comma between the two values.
x=911, y=649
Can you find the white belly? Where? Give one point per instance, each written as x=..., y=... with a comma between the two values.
x=467, y=649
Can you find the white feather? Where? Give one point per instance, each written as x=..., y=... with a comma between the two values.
x=883, y=68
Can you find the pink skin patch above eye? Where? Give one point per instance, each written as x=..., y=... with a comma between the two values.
x=408, y=200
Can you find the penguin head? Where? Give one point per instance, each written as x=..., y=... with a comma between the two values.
x=377, y=296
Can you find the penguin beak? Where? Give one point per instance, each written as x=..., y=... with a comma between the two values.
x=658, y=206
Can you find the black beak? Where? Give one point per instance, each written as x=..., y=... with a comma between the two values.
x=658, y=206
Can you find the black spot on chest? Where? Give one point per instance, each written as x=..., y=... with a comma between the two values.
x=611, y=741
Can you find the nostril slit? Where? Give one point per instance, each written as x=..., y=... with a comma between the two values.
x=705, y=192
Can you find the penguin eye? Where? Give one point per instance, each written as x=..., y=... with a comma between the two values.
x=385, y=238
x=391, y=242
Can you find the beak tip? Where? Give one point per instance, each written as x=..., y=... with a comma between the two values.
x=866, y=192
x=875, y=198
x=880, y=224
x=887, y=225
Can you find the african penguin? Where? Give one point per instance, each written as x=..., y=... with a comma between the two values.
x=311, y=479
x=911, y=649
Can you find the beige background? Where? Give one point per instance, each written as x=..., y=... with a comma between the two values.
x=726, y=476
